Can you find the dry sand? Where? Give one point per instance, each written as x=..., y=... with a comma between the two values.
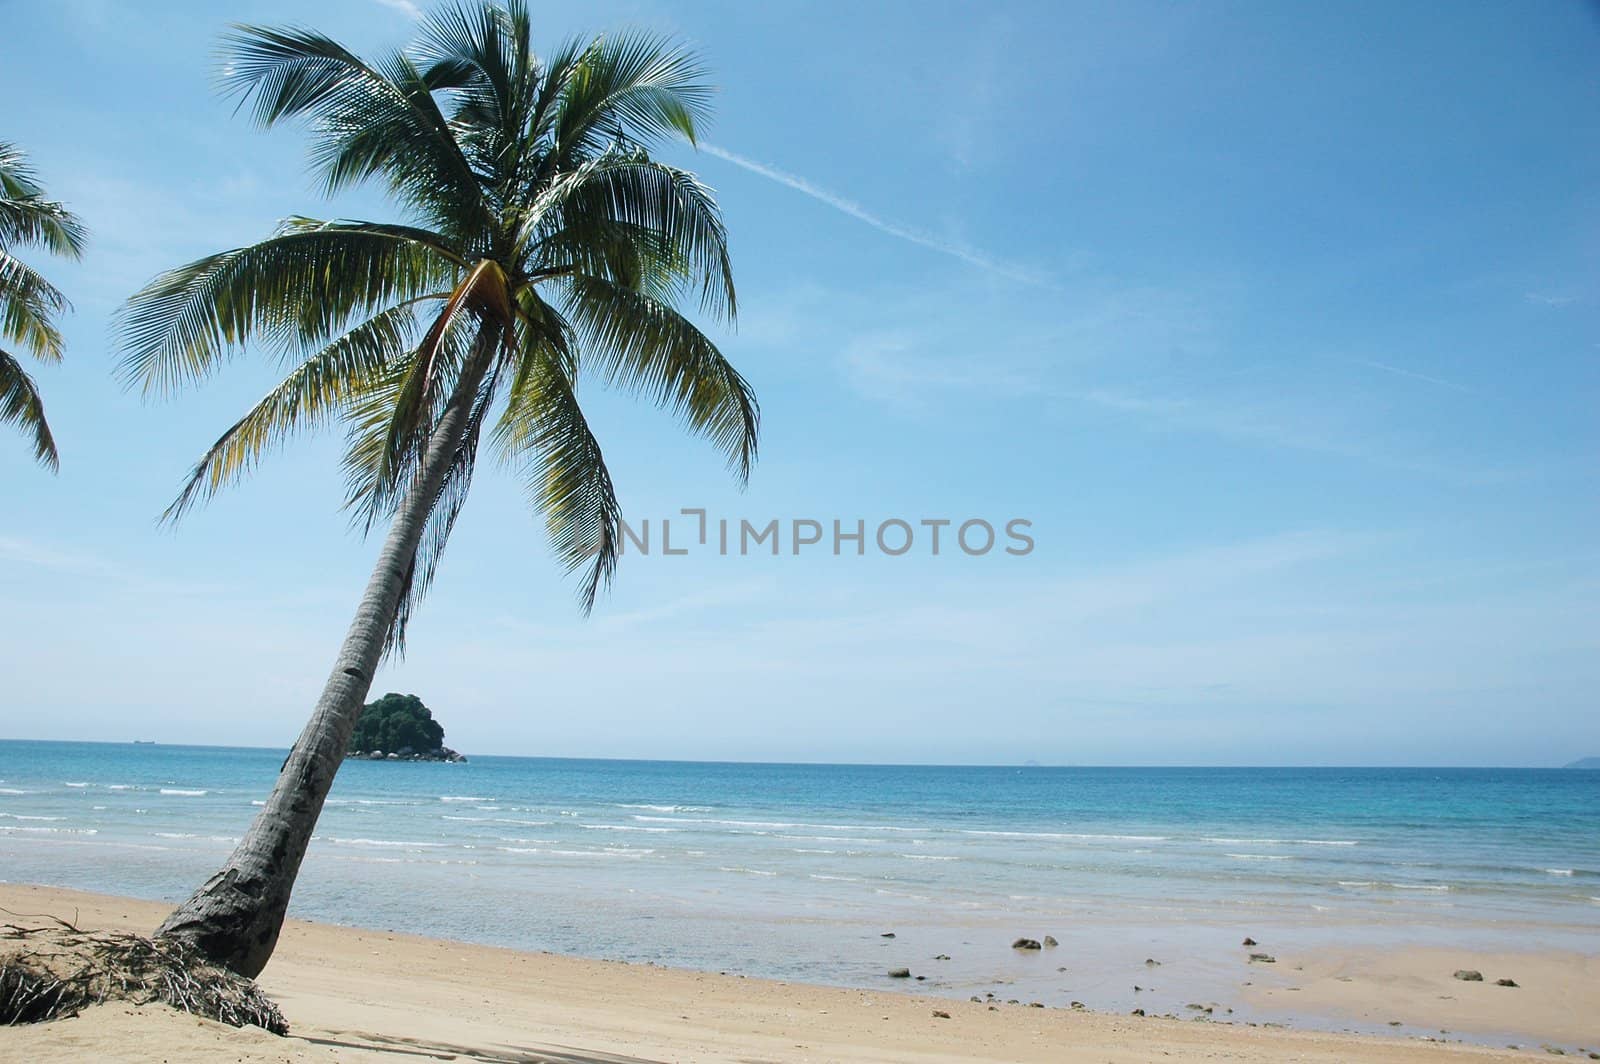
x=354, y=995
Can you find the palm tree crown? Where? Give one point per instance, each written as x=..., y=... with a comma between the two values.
x=28, y=303
x=543, y=243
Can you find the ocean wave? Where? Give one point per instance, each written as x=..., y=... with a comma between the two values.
x=180, y=792
x=1281, y=842
x=797, y=850
x=1368, y=883
x=66, y=783
x=12, y=790
x=464, y=798
x=746, y=871
x=668, y=808
x=1560, y=871
x=624, y=827
x=24, y=816
x=927, y=857
x=380, y=842
x=1066, y=835
x=612, y=852
x=826, y=838
x=49, y=831
x=1260, y=856
x=775, y=825
x=837, y=879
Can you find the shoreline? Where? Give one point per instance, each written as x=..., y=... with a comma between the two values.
x=354, y=994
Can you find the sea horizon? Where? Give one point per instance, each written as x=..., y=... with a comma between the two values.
x=1329, y=765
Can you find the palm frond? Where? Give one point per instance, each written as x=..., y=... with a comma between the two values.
x=319, y=388
x=645, y=346
x=27, y=217
x=20, y=405
x=543, y=433
x=299, y=289
x=28, y=306
x=629, y=209
x=366, y=118
x=638, y=85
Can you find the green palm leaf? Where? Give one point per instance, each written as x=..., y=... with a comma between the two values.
x=300, y=287
x=20, y=405
x=645, y=346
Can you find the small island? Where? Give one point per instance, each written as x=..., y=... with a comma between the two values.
x=1586, y=762
x=399, y=728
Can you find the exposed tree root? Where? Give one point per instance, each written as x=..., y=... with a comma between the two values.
x=57, y=970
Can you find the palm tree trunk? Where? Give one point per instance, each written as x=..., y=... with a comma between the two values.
x=235, y=916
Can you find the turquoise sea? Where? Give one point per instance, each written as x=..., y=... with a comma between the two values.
x=796, y=871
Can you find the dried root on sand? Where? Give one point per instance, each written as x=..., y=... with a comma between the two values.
x=56, y=970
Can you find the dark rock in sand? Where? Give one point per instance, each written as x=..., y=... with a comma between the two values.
x=1079, y=1005
x=1505, y=982
x=1026, y=943
x=921, y=978
x=1036, y=1004
x=1248, y=942
x=899, y=973
x=942, y=957
x=1151, y=962
x=1263, y=958
x=887, y=934
x=1049, y=940
x=1467, y=975
x=940, y=1014
x=975, y=999
x=1137, y=1012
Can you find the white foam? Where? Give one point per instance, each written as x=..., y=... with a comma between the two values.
x=464, y=798
x=668, y=808
x=1067, y=835
x=1280, y=842
x=69, y=784
x=927, y=857
x=746, y=871
x=24, y=816
x=11, y=790
x=1559, y=871
x=776, y=825
x=179, y=792
x=623, y=827
x=380, y=842
x=1259, y=856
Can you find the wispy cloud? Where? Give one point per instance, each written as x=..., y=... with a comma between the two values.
x=1546, y=300
x=1414, y=375
x=405, y=7
x=955, y=249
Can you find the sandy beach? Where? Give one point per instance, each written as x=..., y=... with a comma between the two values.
x=358, y=995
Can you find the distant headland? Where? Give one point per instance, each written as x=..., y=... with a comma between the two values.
x=1586, y=762
x=399, y=728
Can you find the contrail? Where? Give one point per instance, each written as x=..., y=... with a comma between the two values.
x=1414, y=375
x=405, y=7
x=966, y=253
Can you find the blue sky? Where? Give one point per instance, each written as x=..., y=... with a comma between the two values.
x=1278, y=322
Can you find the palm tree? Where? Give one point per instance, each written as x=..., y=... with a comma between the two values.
x=28, y=303
x=543, y=243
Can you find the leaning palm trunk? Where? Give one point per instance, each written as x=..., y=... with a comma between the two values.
x=235, y=916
